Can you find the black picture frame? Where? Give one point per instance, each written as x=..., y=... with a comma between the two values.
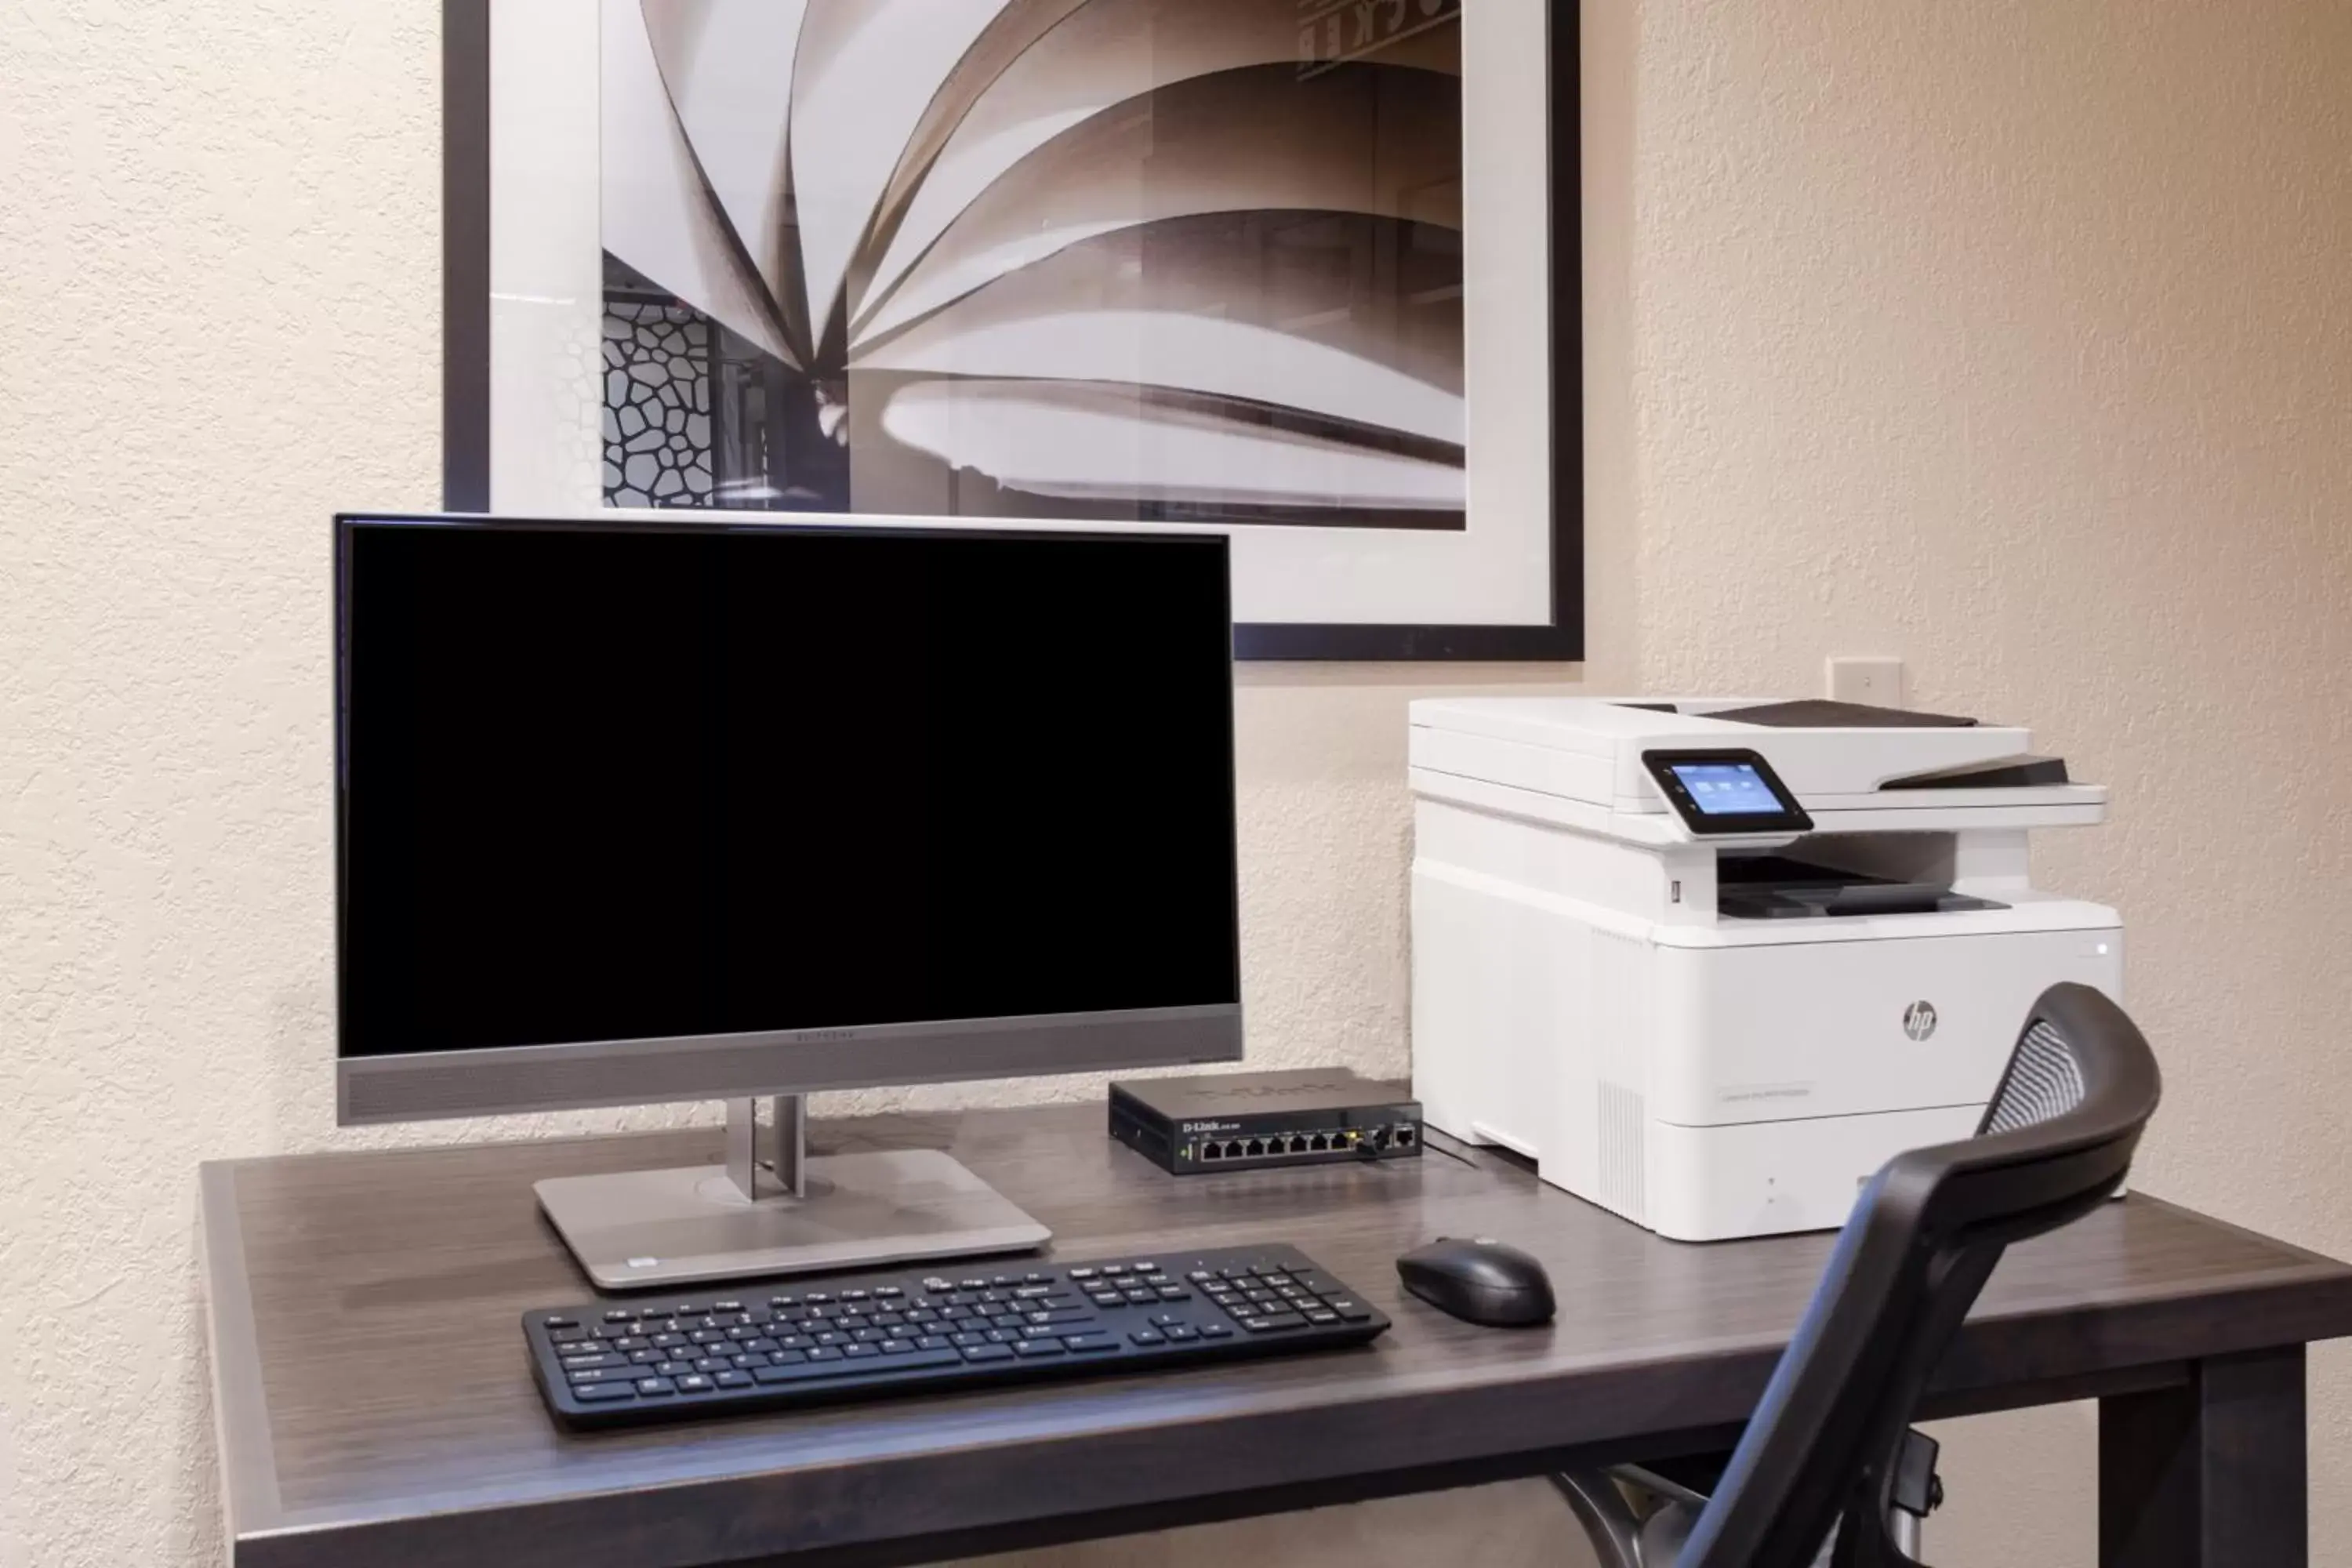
x=466, y=361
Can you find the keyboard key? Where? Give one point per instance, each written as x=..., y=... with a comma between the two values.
x=1183, y=1333
x=825, y=1353
x=861, y=1352
x=931, y=1342
x=1149, y=1337
x=559, y=1320
x=1036, y=1349
x=654, y=1387
x=620, y=1315
x=1164, y=1320
x=1174, y=1293
x=1060, y=1315
x=586, y=1376
x=1274, y=1323
x=1082, y=1344
x=695, y=1383
x=1216, y=1332
x=585, y=1362
x=889, y=1293
x=733, y=1379
x=803, y=1370
x=788, y=1358
x=711, y=1363
x=896, y=1347
x=672, y=1368
x=987, y=1352
x=567, y=1336
x=605, y=1393
x=1082, y=1273
x=1321, y=1317
x=1350, y=1308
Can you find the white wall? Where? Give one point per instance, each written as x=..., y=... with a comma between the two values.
x=2014, y=338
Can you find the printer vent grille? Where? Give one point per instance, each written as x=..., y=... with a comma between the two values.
x=1622, y=1116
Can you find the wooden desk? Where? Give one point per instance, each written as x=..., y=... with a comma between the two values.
x=375, y=1407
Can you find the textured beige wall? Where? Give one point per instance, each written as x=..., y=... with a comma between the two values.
x=2014, y=338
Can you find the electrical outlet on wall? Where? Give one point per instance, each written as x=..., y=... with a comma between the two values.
x=1877, y=681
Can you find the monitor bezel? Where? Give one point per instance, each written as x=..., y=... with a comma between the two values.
x=593, y=1074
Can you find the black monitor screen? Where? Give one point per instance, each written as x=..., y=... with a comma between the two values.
x=630, y=782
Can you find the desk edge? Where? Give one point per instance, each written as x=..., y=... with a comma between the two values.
x=250, y=1502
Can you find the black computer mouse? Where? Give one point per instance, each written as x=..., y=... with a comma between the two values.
x=1480, y=1281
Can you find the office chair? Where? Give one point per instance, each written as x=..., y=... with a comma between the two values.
x=1829, y=1448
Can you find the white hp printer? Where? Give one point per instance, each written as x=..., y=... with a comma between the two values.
x=1710, y=962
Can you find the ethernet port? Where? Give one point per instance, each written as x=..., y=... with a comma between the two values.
x=1318, y=1145
x=1406, y=1137
x=1297, y=1145
x=1253, y=1147
x=1233, y=1151
x=1212, y=1151
x=1381, y=1138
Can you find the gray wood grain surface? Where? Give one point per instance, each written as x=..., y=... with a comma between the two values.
x=375, y=1407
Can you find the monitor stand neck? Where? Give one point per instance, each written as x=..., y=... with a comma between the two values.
x=769, y=1207
x=768, y=1161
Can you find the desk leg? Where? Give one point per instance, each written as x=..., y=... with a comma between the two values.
x=2210, y=1474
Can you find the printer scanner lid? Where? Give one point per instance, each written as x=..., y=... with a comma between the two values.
x=1834, y=757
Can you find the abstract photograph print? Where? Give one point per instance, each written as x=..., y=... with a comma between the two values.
x=1112, y=260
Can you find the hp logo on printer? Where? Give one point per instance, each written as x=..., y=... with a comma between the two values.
x=1919, y=1020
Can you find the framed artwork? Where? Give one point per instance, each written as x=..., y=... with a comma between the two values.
x=1246, y=265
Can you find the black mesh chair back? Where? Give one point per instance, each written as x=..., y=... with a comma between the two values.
x=2055, y=1143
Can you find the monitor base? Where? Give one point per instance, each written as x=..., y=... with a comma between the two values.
x=635, y=1229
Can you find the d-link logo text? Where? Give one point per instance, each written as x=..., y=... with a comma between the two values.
x=1919, y=1020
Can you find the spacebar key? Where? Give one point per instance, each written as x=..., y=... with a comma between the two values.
x=846, y=1366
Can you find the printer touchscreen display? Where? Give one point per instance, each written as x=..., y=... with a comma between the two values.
x=1729, y=789
x=1726, y=790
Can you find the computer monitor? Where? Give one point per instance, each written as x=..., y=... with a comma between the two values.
x=632, y=813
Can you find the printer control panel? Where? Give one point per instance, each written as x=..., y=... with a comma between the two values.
x=1722, y=791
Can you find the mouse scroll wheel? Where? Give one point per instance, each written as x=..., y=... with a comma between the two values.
x=1484, y=1241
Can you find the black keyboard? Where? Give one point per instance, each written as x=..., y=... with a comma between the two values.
x=819, y=1340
